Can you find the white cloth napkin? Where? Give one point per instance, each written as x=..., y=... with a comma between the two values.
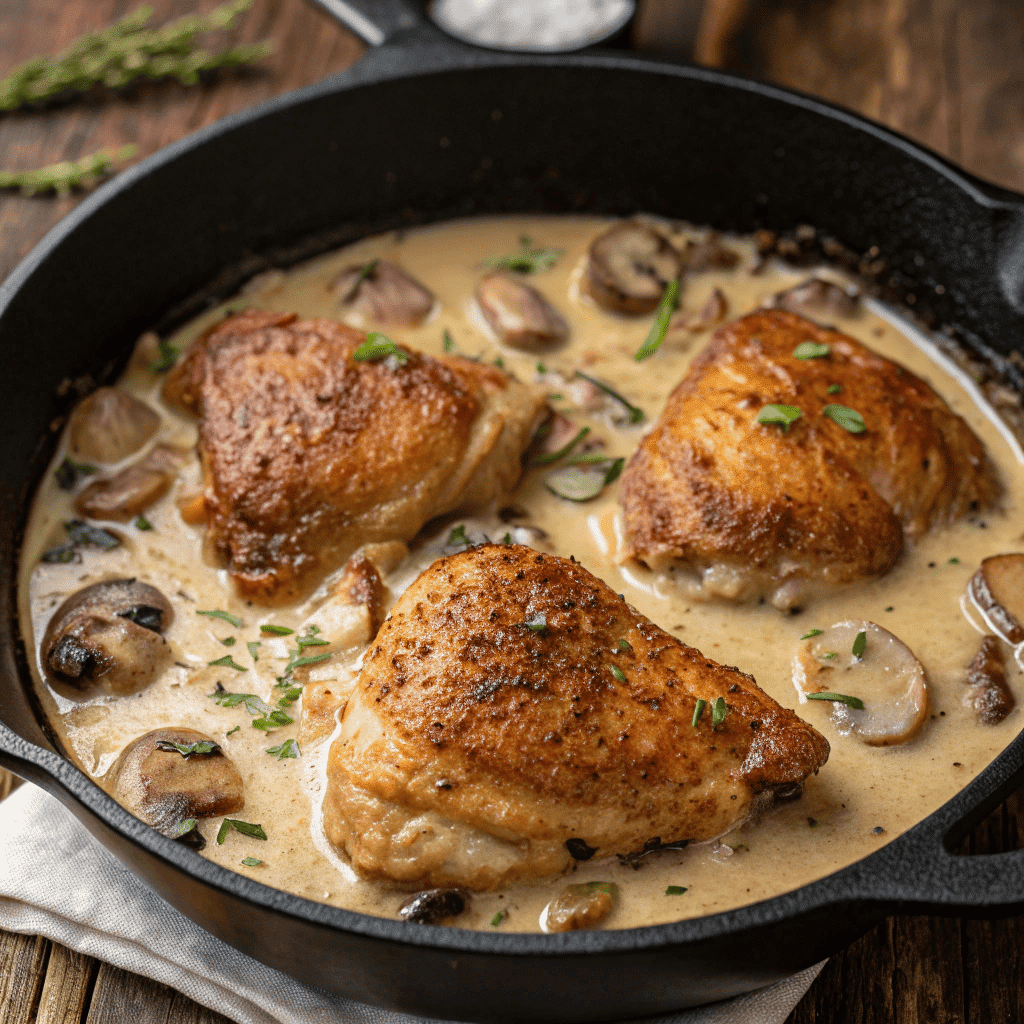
x=57, y=881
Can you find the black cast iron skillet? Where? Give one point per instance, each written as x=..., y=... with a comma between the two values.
x=423, y=129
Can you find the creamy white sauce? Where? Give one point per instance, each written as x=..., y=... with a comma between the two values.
x=859, y=790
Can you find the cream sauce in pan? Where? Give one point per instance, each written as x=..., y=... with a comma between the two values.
x=862, y=799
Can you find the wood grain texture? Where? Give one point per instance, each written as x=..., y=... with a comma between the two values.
x=22, y=964
x=121, y=996
x=67, y=986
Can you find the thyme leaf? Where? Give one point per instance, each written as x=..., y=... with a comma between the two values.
x=662, y=315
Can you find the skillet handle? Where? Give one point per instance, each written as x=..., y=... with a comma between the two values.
x=375, y=21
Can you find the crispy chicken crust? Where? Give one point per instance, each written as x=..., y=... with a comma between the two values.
x=498, y=716
x=754, y=509
x=309, y=454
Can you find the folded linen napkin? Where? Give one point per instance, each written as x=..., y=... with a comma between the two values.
x=87, y=900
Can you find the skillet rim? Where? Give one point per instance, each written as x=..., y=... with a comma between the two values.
x=867, y=881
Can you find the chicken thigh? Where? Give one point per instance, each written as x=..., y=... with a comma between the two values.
x=514, y=712
x=776, y=509
x=309, y=453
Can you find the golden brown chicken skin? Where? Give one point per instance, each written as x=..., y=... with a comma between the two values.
x=513, y=704
x=756, y=510
x=309, y=453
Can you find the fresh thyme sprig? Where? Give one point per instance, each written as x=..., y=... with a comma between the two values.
x=66, y=175
x=127, y=51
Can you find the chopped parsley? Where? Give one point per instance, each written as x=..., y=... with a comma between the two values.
x=70, y=471
x=812, y=632
x=142, y=523
x=536, y=623
x=840, y=698
x=62, y=554
x=625, y=645
x=187, y=750
x=253, y=645
x=182, y=828
x=834, y=389
x=228, y=662
x=617, y=672
x=636, y=415
x=954, y=560
x=782, y=415
x=676, y=890
x=245, y=827
x=457, y=538
x=507, y=539
x=219, y=613
x=528, y=260
x=228, y=641
x=447, y=341
x=270, y=629
x=860, y=644
x=81, y=534
x=290, y=695
x=848, y=419
x=312, y=659
x=379, y=346
x=698, y=710
x=811, y=350
x=311, y=641
x=230, y=731
x=167, y=358
x=548, y=457
x=662, y=315
x=831, y=654
x=718, y=710
x=287, y=749
x=498, y=918
x=251, y=862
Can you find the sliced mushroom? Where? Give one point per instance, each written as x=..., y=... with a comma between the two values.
x=989, y=693
x=109, y=634
x=887, y=678
x=518, y=314
x=816, y=296
x=385, y=293
x=553, y=436
x=997, y=588
x=712, y=313
x=630, y=266
x=123, y=496
x=579, y=906
x=162, y=780
x=110, y=425
x=360, y=584
x=711, y=254
x=434, y=906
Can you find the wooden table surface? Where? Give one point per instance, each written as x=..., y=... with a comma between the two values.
x=950, y=75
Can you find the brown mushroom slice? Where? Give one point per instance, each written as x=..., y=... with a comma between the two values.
x=385, y=293
x=579, y=906
x=134, y=489
x=434, y=906
x=816, y=296
x=170, y=775
x=887, y=678
x=630, y=266
x=710, y=253
x=518, y=314
x=110, y=425
x=997, y=588
x=712, y=313
x=989, y=693
x=109, y=635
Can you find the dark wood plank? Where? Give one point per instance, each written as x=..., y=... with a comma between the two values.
x=121, y=996
x=22, y=963
x=67, y=986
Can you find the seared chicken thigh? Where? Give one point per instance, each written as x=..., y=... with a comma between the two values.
x=513, y=711
x=755, y=508
x=309, y=452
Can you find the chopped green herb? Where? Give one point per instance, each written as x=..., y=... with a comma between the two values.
x=662, y=315
x=848, y=419
x=252, y=703
x=860, y=644
x=581, y=483
x=229, y=641
x=556, y=396
x=718, y=710
x=142, y=523
x=82, y=534
x=69, y=472
x=812, y=632
x=247, y=829
x=62, y=554
x=188, y=749
x=498, y=918
x=617, y=672
x=219, y=613
x=182, y=828
x=499, y=363
x=676, y=890
x=287, y=749
x=312, y=659
x=839, y=698
x=251, y=862
x=549, y=457
x=379, y=346
x=636, y=415
x=167, y=358
x=228, y=662
x=698, y=710
x=831, y=654
x=834, y=389
x=230, y=731
x=457, y=538
x=269, y=629
x=290, y=696
x=811, y=350
x=536, y=623
x=954, y=560
x=625, y=645
x=365, y=271
x=274, y=720
x=311, y=641
x=541, y=368
x=889, y=609
x=782, y=415
x=447, y=341
x=253, y=645
x=527, y=261
x=608, y=888
x=507, y=539
x=313, y=629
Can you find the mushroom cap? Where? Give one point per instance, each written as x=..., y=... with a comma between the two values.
x=518, y=314
x=629, y=267
x=110, y=425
